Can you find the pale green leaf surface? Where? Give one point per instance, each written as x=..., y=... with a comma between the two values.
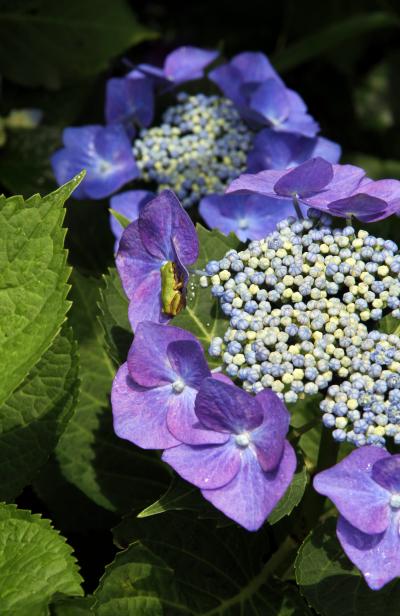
x=35, y=564
x=33, y=281
x=113, y=317
x=34, y=416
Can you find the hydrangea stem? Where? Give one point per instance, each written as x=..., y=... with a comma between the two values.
x=297, y=208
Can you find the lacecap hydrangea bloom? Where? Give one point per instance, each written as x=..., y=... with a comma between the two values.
x=200, y=143
x=304, y=305
x=365, y=488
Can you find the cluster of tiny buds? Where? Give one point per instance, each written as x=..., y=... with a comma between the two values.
x=302, y=304
x=200, y=147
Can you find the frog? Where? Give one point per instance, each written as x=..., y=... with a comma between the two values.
x=172, y=297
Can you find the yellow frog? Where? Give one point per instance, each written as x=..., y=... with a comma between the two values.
x=172, y=297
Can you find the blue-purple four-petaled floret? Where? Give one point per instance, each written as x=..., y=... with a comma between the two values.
x=365, y=487
x=228, y=443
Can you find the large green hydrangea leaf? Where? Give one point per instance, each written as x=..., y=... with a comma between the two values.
x=33, y=281
x=34, y=416
x=187, y=566
x=35, y=564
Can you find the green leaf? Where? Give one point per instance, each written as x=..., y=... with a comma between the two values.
x=331, y=584
x=35, y=564
x=123, y=220
x=202, y=315
x=46, y=43
x=187, y=566
x=114, y=317
x=293, y=494
x=330, y=37
x=35, y=415
x=390, y=325
x=112, y=472
x=33, y=281
x=72, y=606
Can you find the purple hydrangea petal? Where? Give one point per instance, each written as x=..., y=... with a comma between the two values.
x=377, y=556
x=148, y=360
x=357, y=496
x=155, y=226
x=165, y=227
x=130, y=100
x=139, y=413
x=65, y=168
x=227, y=408
x=254, y=66
x=248, y=216
x=249, y=498
x=228, y=79
x=155, y=72
x=187, y=63
x=386, y=472
x=306, y=179
x=184, y=424
x=275, y=150
x=346, y=180
x=270, y=101
x=299, y=123
x=187, y=359
x=362, y=206
x=128, y=203
x=133, y=262
x=327, y=149
x=145, y=302
x=206, y=466
x=269, y=438
x=262, y=182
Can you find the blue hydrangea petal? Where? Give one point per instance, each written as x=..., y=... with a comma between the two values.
x=188, y=360
x=130, y=101
x=269, y=438
x=270, y=101
x=346, y=180
x=364, y=207
x=128, y=203
x=349, y=484
x=206, y=466
x=148, y=360
x=133, y=262
x=227, y=408
x=140, y=414
x=187, y=63
x=250, y=497
x=305, y=180
x=386, y=472
x=377, y=556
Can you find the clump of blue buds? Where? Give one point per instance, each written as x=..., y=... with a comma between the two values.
x=304, y=304
x=200, y=147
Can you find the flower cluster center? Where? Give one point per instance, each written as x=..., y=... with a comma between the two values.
x=178, y=386
x=243, y=439
x=201, y=146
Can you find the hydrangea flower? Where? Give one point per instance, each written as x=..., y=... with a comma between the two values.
x=372, y=201
x=365, y=488
x=128, y=203
x=130, y=100
x=244, y=464
x=181, y=65
x=248, y=216
x=153, y=393
x=151, y=259
x=261, y=96
x=272, y=150
x=105, y=153
x=315, y=183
